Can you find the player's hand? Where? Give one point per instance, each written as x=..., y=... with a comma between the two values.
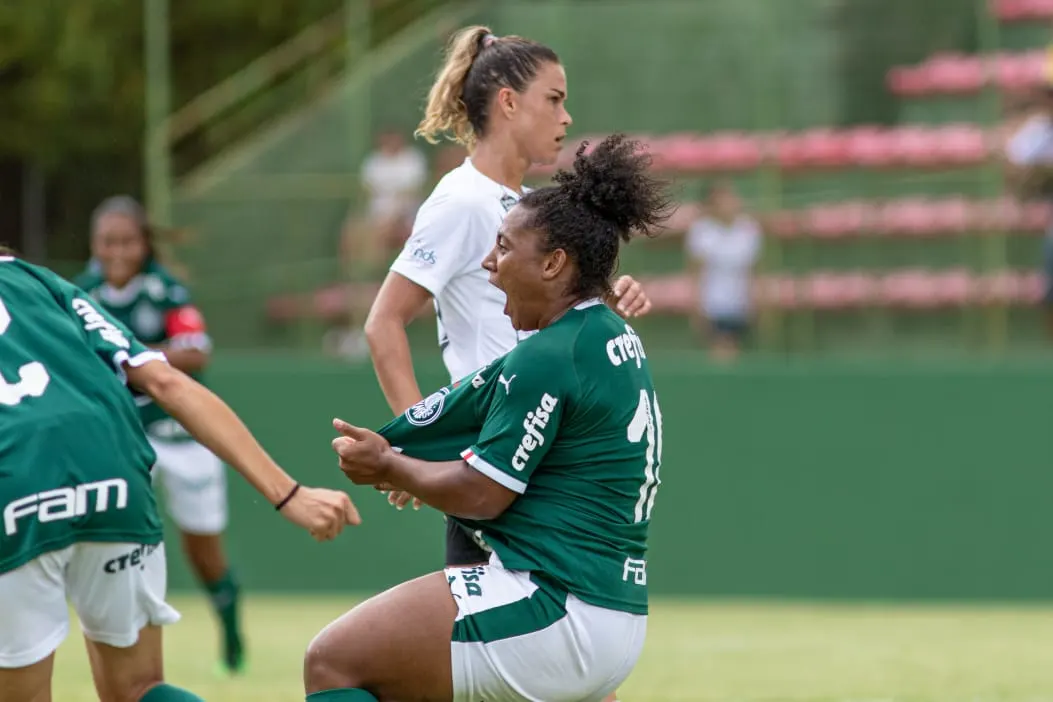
x=631, y=299
x=400, y=498
x=323, y=513
x=362, y=452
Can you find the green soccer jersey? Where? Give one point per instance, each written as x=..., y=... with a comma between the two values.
x=74, y=460
x=568, y=419
x=156, y=307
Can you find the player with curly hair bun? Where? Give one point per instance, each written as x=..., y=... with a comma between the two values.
x=504, y=99
x=552, y=451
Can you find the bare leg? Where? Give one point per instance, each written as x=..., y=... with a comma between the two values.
x=29, y=684
x=395, y=645
x=126, y=674
x=205, y=553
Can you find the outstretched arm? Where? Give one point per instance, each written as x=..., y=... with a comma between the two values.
x=209, y=420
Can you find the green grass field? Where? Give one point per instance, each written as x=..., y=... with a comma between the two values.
x=705, y=652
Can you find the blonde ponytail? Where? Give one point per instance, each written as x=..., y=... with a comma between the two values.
x=446, y=112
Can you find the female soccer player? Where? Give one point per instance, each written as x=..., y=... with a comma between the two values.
x=504, y=99
x=552, y=450
x=129, y=281
x=79, y=517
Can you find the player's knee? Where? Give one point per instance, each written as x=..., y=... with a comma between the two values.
x=326, y=665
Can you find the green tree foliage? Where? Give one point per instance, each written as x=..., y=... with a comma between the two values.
x=72, y=87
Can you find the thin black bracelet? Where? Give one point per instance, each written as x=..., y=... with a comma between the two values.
x=288, y=497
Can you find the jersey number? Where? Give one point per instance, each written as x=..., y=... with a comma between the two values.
x=646, y=425
x=33, y=378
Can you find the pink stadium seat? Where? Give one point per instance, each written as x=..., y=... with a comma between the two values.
x=1023, y=10
x=671, y=293
x=823, y=148
x=905, y=217
x=953, y=73
x=1019, y=71
x=914, y=146
x=735, y=151
x=952, y=288
x=789, y=151
x=1034, y=217
x=950, y=216
x=1032, y=287
x=685, y=152
x=825, y=291
x=960, y=144
x=869, y=146
x=907, y=81
x=837, y=220
x=990, y=216
x=998, y=288
x=910, y=288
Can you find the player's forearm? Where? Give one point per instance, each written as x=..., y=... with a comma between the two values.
x=209, y=420
x=452, y=487
x=186, y=360
x=393, y=364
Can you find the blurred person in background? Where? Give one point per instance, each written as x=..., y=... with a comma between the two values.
x=80, y=521
x=393, y=178
x=1029, y=159
x=504, y=100
x=127, y=279
x=723, y=247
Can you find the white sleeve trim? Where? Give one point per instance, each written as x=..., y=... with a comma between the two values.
x=495, y=474
x=121, y=358
x=145, y=357
x=416, y=275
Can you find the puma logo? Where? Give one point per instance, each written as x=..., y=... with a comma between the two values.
x=507, y=383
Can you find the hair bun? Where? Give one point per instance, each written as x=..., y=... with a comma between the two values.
x=614, y=180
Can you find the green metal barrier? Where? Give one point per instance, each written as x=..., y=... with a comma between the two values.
x=831, y=480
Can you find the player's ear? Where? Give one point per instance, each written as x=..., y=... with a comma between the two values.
x=555, y=263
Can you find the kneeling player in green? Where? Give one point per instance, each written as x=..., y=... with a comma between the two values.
x=79, y=517
x=553, y=451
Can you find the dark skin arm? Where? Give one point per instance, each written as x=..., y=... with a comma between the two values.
x=452, y=487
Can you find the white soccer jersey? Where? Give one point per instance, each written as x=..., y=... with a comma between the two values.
x=454, y=231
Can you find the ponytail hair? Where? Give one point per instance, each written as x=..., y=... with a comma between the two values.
x=477, y=65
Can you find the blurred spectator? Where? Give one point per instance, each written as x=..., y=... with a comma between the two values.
x=722, y=248
x=393, y=179
x=1029, y=153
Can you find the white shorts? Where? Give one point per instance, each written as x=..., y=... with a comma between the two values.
x=116, y=590
x=194, y=482
x=516, y=638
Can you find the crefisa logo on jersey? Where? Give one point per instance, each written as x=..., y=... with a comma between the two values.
x=427, y=410
x=533, y=424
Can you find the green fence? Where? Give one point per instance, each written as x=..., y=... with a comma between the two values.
x=803, y=479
